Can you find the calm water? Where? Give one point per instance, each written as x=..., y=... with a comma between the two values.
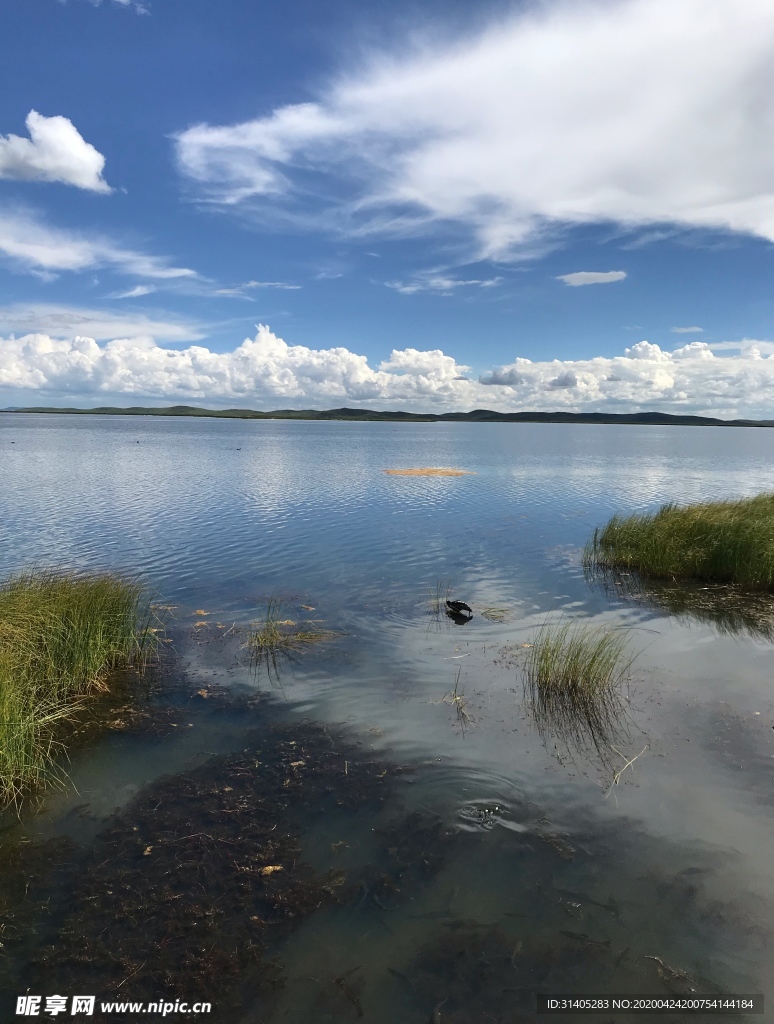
x=672, y=863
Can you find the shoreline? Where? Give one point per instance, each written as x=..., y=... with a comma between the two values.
x=372, y=415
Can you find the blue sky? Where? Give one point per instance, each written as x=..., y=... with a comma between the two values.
x=565, y=205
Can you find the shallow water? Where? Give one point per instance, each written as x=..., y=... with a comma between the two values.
x=673, y=862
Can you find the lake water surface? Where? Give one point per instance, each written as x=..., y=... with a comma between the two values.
x=542, y=874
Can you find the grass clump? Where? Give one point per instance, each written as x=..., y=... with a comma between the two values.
x=439, y=595
x=574, y=681
x=718, y=542
x=276, y=636
x=459, y=702
x=61, y=635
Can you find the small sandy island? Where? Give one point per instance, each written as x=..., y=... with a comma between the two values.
x=430, y=471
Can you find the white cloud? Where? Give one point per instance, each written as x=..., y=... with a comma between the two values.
x=55, y=151
x=433, y=364
x=696, y=350
x=439, y=283
x=746, y=345
x=509, y=376
x=687, y=330
x=242, y=291
x=636, y=112
x=29, y=244
x=644, y=350
x=565, y=380
x=70, y=321
x=136, y=5
x=583, y=277
x=135, y=293
x=266, y=372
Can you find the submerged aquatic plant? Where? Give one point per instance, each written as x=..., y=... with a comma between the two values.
x=719, y=542
x=574, y=680
x=276, y=636
x=732, y=609
x=61, y=635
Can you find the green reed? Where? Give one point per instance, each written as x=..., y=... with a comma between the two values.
x=718, y=542
x=438, y=595
x=574, y=680
x=61, y=635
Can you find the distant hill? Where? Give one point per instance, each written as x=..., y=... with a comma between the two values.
x=476, y=416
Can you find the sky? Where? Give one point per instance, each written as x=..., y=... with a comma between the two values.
x=429, y=206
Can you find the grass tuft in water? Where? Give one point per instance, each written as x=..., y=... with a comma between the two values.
x=439, y=595
x=718, y=542
x=574, y=678
x=61, y=635
x=459, y=702
x=277, y=636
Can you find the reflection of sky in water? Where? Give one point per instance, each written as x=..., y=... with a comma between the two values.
x=221, y=514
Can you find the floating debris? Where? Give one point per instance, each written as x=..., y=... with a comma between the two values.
x=495, y=614
x=347, y=991
x=611, y=906
x=670, y=973
x=587, y=939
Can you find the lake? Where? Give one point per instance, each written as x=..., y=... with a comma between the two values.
x=497, y=857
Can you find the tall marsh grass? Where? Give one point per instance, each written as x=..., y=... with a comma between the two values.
x=61, y=635
x=717, y=542
x=574, y=680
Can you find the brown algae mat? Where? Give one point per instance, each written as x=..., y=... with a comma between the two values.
x=430, y=471
x=189, y=888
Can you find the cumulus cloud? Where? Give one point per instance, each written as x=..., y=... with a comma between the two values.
x=55, y=151
x=432, y=364
x=582, y=277
x=687, y=330
x=509, y=376
x=696, y=350
x=29, y=244
x=644, y=350
x=266, y=372
x=637, y=112
x=564, y=380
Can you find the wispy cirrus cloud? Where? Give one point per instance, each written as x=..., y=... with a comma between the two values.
x=242, y=291
x=687, y=330
x=440, y=283
x=61, y=321
x=583, y=277
x=54, y=152
x=29, y=244
x=135, y=293
x=637, y=113
x=138, y=6
x=265, y=371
